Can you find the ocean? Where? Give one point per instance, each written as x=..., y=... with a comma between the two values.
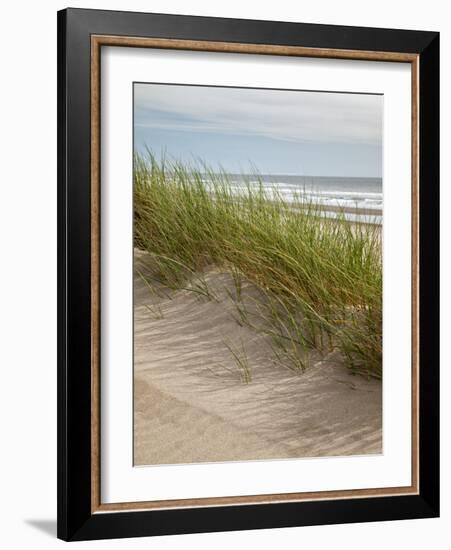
x=347, y=193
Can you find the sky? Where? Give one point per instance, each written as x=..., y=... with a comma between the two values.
x=274, y=131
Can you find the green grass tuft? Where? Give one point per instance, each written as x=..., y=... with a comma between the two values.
x=320, y=279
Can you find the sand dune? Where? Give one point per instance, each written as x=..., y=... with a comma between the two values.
x=191, y=404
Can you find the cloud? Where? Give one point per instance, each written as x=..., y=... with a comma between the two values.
x=293, y=116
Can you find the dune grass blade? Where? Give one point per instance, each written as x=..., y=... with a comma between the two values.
x=320, y=279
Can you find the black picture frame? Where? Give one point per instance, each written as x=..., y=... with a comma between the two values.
x=76, y=521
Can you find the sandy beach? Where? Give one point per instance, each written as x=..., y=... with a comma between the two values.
x=192, y=405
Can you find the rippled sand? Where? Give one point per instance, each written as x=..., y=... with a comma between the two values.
x=191, y=405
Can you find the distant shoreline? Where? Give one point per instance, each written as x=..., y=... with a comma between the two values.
x=351, y=210
x=347, y=210
x=369, y=212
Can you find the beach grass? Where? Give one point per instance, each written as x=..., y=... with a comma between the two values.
x=319, y=280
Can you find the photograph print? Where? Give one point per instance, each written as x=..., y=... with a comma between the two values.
x=257, y=229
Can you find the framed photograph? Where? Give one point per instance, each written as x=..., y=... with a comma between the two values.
x=248, y=274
